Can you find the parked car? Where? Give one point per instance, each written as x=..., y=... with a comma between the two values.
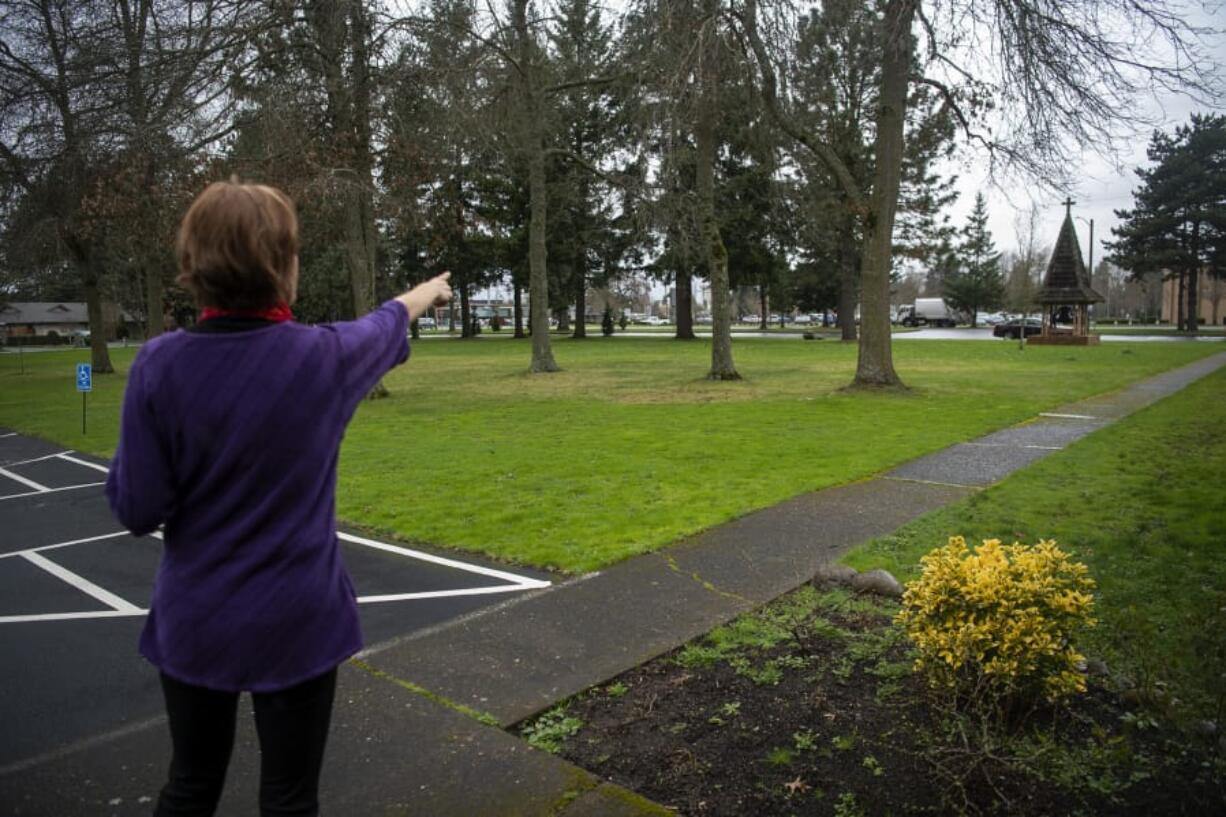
x=1016, y=327
x=652, y=320
x=425, y=322
x=803, y=319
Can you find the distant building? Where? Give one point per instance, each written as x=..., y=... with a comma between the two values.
x=52, y=319
x=1211, y=299
x=44, y=319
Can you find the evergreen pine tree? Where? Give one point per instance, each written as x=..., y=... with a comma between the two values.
x=977, y=282
x=1178, y=225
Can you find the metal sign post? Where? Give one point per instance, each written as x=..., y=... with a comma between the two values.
x=85, y=384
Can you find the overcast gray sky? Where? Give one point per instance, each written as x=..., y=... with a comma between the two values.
x=1104, y=188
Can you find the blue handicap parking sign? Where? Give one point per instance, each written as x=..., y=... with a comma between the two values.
x=85, y=377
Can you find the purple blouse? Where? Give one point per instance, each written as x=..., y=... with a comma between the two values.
x=230, y=440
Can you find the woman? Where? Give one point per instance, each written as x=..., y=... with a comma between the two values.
x=229, y=439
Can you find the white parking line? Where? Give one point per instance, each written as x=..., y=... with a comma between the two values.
x=1068, y=416
x=52, y=490
x=515, y=583
x=70, y=616
x=83, y=584
x=86, y=463
x=445, y=594
x=35, y=459
x=29, y=483
x=10, y=434
x=64, y=544
x=525, y=582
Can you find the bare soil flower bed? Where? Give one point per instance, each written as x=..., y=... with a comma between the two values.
x=810, y=707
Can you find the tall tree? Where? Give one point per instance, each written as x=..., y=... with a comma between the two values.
x=441, y=175
x=585, y=204
x=1025, y=266
x=680, y=49
x=1179, y=222
x=529, y=123
x=173, y=67
x=57, y=133
x=340, y=48
x=834, y=80
x=976, y=282
x=1063, y=77
x=707, y=111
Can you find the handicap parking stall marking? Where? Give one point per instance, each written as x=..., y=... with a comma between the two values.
x=45, y=468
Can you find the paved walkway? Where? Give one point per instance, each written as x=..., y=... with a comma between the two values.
x=396, y=751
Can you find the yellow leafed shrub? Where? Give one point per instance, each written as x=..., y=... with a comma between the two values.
x=1000, y=619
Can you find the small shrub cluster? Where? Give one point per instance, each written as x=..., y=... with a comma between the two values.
x=551, y=729
x=999, y=621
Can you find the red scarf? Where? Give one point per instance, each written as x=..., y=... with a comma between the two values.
x=276, y=314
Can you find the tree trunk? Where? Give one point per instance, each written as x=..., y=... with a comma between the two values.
x=154, y=289
x=518, y=309
x=875, y=366
x=100, y=357
x=466, y=313
x=532, y=142
x=346, y=29
x=762, y=324
x=1193, y=308
x=848, y=296
x=580, y=295
x=684, y=301
x=538, y=282
x=716, y=253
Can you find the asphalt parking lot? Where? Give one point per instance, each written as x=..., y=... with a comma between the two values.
x=74, y=588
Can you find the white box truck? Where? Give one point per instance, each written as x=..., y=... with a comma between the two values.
x=928, y=312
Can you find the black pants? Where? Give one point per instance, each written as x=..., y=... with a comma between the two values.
x=293, y=728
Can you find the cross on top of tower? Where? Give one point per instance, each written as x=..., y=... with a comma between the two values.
x=1068, y=206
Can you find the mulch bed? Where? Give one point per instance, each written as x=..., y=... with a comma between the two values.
x=831, y=721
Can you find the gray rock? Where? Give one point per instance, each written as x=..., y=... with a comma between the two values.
x=1096, y=666
x=1205, y=729
x=879, y=582
x=832, y=573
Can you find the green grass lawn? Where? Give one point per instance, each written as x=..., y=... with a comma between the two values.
x=1141, y=503
x=629, y=448
x=1208, y=330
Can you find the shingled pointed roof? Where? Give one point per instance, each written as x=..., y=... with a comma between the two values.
x=1067, y=281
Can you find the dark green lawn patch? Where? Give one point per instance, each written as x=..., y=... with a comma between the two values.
x=842, y=726
x=1141, y=503
x=629, y=448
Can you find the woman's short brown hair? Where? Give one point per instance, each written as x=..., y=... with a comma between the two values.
x=237, y=245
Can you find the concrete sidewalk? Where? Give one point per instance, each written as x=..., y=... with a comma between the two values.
x=397, y=751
